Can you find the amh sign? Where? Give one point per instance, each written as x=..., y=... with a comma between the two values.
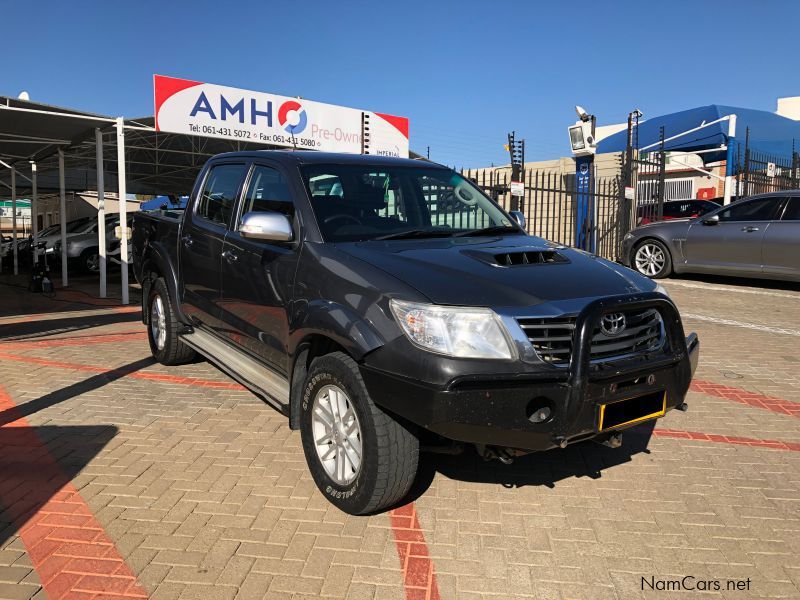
x=206, y=109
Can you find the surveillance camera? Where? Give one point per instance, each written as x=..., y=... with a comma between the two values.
x=582, y=114
x=637, y=114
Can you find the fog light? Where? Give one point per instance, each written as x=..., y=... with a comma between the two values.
x=539, y=410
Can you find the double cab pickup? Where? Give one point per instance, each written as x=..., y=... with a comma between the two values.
x=385, y=304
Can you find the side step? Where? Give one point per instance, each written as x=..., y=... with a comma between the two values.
x=260, y=379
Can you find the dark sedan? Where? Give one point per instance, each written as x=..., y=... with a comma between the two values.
x=754, y=237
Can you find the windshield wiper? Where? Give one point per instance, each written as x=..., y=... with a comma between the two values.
x=489, y=231
x=414, y=233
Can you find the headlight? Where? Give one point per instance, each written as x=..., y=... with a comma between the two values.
x=454, y=331
x=662, y=290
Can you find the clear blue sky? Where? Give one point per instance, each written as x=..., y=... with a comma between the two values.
x=465, y=73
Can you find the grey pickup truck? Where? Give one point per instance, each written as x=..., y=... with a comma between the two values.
x=385, y=304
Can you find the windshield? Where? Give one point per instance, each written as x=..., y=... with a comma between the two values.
x=363, y=202
x=77, y=225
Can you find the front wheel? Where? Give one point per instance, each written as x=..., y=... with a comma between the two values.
x=361, y=459
x=652, y=259
x=90, y=260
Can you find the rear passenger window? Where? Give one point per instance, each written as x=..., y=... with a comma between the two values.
x=792, y=212
x=219, y=193
x=268, y=191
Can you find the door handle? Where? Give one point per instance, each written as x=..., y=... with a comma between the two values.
x=187, y=240
x=750, y=229
x=230, y=256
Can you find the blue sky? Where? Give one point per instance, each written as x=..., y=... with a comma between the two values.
x=465, y=73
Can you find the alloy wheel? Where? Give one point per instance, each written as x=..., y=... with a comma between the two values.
x=650, y=260
x=337, y=434
x=158, y=322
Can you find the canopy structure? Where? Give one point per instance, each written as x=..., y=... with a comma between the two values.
x=769, y=133
x=49, y=148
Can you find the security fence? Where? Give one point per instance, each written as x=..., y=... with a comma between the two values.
x=760, y=172
x=550, y=205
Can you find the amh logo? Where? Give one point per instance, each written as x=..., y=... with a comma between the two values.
x=299, y=119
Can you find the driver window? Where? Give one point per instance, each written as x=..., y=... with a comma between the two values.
x=752, y=210
x=268, y=192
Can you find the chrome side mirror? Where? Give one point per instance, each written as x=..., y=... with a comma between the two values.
x=518, y=217
x=269, y=226
x=711, y=220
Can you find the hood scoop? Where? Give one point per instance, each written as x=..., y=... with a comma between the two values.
x=522, y=258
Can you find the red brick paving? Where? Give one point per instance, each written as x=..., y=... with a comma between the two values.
x=726, y=439
x=778, y=405
x=66, y=544
x=419, y=577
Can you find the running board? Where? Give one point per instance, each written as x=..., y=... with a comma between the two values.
x=255, y=376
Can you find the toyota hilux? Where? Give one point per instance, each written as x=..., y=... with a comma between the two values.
x=382, y=304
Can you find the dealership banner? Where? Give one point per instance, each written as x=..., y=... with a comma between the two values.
x=206, y=109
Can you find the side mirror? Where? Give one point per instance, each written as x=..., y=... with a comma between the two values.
x=518, y=217
x=711, y=220
x=269, y=226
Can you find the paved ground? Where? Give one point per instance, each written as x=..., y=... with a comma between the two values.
x=123, y=478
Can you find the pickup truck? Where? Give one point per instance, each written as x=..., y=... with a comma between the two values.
x=386, y=305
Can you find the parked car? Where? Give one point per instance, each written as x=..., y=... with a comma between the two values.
x=337, y=289
x=675, y=209
x=753, y=237
x=83, y=249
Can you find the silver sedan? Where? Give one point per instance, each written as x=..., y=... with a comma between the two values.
x=755, y=237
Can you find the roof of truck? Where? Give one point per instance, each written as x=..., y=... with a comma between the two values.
x=313, y=157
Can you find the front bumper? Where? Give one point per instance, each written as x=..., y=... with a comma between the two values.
x=496, y=409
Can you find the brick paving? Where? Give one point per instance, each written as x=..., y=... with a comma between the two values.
x=199, y=490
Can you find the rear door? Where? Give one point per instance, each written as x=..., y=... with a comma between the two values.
x=732, y=245
x=257, y=275
x=202, y=240
x=781, y=248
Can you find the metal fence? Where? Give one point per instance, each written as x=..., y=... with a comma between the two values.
x=550, y=205
x=759, y=172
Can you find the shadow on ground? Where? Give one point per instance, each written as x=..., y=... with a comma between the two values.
x=767, y=284
x=37, y=462
x=68, y=324
x=585, y=459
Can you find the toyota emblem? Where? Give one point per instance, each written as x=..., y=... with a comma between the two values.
x=613, y=324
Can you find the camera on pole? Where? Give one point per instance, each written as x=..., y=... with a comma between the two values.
x=582, y=137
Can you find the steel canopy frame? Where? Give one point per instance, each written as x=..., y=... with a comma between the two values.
x=147, y=161
x=728, y=147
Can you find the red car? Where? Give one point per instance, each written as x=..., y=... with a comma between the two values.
x=675, y=209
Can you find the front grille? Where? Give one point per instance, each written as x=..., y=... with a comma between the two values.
x=552, y=338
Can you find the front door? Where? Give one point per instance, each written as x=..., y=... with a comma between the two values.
x=782, y=243
x=202, y=240
x=732, y=244
x=257, y=275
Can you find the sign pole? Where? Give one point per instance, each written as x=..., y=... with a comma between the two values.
x=583, y=209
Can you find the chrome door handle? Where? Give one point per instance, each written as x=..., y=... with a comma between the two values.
x=187, y=240
x=749, y=229
x=230, y=256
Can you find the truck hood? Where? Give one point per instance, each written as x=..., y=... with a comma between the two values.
x=505, y=271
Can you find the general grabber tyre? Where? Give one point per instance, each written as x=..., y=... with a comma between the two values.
x=361, y=459
x=163, y=327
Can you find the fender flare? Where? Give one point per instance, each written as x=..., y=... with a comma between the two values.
x=337, y=323
x=158, y=257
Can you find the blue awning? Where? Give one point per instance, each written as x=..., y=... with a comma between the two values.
x=769, y=133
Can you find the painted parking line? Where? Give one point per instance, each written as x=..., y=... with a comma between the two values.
x=158, y=377
x=771, y=403
x=742, y=324
x=419, y=577
x=75, y=340
x=730, y=288
x=699, y=436
x=67, y=545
